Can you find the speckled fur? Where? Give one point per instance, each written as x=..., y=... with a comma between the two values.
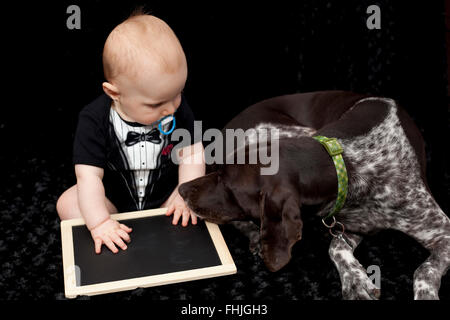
x=284, y=131
x=385, y=191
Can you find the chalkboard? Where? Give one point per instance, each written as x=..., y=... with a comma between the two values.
x=159, y=253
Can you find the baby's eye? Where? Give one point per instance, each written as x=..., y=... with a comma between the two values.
x=154, y=105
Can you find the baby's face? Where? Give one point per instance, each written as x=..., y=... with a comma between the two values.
x=151, y=95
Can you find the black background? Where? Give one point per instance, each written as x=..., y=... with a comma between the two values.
x=238, y=54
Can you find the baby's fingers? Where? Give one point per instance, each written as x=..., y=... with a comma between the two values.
x=186, y=215
x=125, y=228
x=193, y=217
x=123, y=235
x=176, y=216
x=110, y=244
x=118, y=241
x=98, y=245
x=170, y=210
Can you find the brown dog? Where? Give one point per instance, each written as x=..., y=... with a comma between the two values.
x=385, y=160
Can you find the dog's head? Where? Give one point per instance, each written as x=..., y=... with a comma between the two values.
x=235, y=192
x=211, y=198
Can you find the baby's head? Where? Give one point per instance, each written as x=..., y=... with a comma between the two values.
x=145, y=69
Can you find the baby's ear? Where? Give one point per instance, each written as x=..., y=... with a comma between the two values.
x=111, y=90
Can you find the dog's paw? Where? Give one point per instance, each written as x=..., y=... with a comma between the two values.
x=427, y=280
x=357, y=286
x=425, y=295
x=424, y=290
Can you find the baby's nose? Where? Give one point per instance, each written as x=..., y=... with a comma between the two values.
x=169, y=109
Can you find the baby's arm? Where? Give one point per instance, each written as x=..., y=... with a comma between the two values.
x=191, y=166
x=92, y=203
x=192, y=163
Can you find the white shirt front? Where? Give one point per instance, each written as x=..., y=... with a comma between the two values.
x=144, y=156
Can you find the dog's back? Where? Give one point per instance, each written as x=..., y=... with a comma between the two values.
x=312, y=109
x=304, y=114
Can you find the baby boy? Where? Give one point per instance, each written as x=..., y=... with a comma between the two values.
x=122, y=147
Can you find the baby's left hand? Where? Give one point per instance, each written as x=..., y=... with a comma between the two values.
x=178, y=208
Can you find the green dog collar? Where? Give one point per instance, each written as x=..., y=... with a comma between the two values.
x=335, y=150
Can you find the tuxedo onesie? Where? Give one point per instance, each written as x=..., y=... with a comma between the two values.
x=138, y=170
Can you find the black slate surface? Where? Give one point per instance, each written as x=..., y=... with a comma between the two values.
x=157, y=247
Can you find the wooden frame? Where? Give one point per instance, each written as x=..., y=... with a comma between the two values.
x=71, y=289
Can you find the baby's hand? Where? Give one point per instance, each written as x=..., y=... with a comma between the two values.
x=178, y=207
x=109, y=233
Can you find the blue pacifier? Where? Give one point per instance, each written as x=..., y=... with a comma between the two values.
x=160, y=125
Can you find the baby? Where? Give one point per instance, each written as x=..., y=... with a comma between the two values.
x=122, y=147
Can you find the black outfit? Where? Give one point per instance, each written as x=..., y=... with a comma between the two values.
x=130, y=154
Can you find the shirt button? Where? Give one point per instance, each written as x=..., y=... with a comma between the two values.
x=142, y=145
x=143, y=163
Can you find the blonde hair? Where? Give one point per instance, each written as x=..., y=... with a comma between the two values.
x=140, y=40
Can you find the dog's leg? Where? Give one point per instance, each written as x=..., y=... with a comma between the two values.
x=356, y=285
x=434, y=234
x=424, y=220
x=251, y=231
x=427, y=278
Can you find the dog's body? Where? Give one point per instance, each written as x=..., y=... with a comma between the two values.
x=385, y=159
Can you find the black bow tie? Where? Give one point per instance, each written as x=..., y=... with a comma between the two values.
x=134, y=137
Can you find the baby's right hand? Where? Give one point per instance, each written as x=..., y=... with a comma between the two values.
x=109, y=233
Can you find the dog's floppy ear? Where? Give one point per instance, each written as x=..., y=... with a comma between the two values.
x=281, y=228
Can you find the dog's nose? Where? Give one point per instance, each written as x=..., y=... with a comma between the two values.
x=182, y=190
x=187, y=189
